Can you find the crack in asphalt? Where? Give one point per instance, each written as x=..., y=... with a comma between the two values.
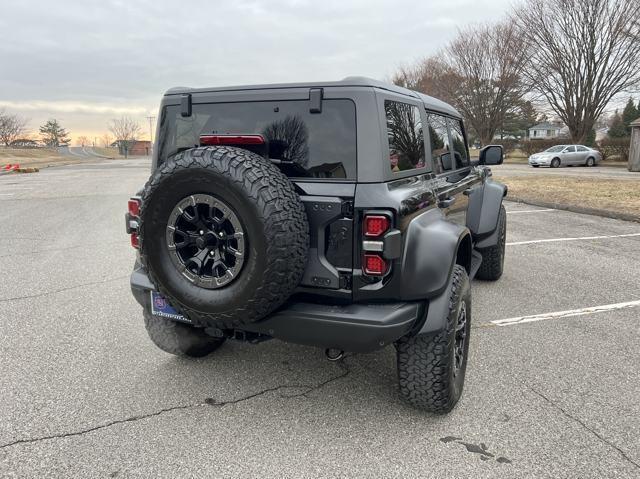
x=585, y=426
x=61, y=290
x=207, y=402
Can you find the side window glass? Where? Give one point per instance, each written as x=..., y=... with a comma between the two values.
x=581, y=148
x=406, y=138
x=460, y=152
x=439, y=142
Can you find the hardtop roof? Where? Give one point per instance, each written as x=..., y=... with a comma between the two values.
x=353, y=81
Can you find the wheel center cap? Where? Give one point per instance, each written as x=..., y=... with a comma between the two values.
x=209, y=240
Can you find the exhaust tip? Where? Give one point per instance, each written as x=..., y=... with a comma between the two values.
x=334, y=354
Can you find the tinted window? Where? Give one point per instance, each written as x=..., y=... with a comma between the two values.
x=582, y=148
x=439, y=142
x=571, y=149
x=406, y=138
x=461, y=154
x=320, y=145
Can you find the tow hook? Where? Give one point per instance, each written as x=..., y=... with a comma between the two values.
x=334, y=354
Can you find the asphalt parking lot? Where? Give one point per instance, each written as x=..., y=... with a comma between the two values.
x=85, y=393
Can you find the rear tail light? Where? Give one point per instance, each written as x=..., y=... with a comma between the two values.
x=375, y=225
x=374, y=265
x=132, y=216
x=231, y=140
x=133, y=206
x=135, y=241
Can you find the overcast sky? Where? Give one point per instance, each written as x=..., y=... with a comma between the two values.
x=85, y=62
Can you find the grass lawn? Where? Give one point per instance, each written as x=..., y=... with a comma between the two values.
x=620, y=196
x=38, y=157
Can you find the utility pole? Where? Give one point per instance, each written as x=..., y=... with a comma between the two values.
x=151, y=120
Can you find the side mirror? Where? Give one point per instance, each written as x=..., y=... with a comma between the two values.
x=491, y=155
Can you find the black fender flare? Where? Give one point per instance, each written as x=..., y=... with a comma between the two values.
x=432, y=247
x=484, y=212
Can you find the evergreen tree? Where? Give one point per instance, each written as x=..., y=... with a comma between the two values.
x=53, y=134
x=617, y=128
x=629, y=114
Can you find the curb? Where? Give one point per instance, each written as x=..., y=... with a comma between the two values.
x=576, y=209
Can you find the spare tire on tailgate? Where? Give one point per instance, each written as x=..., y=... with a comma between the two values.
x=223, y=235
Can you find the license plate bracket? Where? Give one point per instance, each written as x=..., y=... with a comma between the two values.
x=161, y=307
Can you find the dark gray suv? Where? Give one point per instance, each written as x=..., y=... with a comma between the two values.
x=345, y=215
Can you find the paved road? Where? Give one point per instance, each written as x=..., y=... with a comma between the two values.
x=84, y=393
x=602, y=172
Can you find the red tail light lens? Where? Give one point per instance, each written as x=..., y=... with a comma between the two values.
x=374, y=265
x=134, y=208
x=375, y=225
x=231, y=140
x=135, y=242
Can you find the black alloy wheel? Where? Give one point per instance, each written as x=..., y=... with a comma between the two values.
x=206, y=241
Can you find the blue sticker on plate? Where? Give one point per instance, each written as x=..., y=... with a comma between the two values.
x=161, y=307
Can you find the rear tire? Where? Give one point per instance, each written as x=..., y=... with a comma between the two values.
x=432, y=367
x=493, y=257
x=178, y=338
x=590, y=162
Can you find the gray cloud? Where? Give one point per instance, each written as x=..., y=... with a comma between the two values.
x=113, y=55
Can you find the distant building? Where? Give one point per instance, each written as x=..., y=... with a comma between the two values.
x=134, y=148
x=544, y=131
x=140, y=148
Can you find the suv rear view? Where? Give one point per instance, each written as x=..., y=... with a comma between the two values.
x=344, y=215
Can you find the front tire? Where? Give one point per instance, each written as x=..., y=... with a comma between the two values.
x=178, y=338
x=493, y=257
x=555, y=163
x=432, y=367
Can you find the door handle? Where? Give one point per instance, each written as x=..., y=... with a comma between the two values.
x=447, y=202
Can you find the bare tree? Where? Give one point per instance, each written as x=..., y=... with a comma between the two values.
x=582, y=54
x=487, y=61
x=107, y=140
x=83, y=141
x=430, y=75
x=126, y=131
x=12, y=127
x=479, y=72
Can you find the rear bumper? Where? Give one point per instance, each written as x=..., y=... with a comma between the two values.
x=354, y=327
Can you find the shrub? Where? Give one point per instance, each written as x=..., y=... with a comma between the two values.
x=508, y=145
x=615, y=147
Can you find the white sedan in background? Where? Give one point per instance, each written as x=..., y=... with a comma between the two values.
x=566, y=155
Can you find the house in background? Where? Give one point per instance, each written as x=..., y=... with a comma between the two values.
x=544, y=131
x=133, y=147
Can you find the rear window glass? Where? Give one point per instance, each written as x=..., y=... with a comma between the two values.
x=303, y=144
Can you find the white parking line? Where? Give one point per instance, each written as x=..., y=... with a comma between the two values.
x=529, y=211
x=565, y=314
x=551, y=240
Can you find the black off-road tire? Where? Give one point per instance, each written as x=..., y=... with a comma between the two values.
x=427, y=375
x=274, y=223
x=180, y=338
x=493, y=257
